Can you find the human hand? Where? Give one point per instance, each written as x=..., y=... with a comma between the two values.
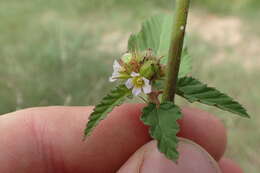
x=49, y=140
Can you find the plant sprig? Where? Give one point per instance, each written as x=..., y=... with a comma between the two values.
x=155, y=57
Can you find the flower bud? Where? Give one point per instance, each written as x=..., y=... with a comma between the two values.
x=149, y=69
x=126, y=58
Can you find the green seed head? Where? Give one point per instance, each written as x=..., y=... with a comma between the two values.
x=149, y=69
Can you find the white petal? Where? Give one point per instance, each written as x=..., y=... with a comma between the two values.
x=146, y=81
x=129, y=83
x=115, y=74
x=111, y=79
x=134, y=74
x=116, y=66
x=147, y=89
x=136, y=91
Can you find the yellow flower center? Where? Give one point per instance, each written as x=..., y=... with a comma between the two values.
x=138, y=82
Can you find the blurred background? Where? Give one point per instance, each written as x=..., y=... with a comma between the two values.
x=61, y=52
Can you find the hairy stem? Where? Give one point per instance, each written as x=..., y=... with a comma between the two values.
x=174, y=59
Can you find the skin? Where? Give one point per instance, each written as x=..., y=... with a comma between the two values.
x=49, y=139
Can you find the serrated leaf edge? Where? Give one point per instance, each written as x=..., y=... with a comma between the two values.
x=106, y=105
x=161, y=136
x=191, y=98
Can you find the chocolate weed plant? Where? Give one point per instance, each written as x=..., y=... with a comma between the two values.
x=155, y=68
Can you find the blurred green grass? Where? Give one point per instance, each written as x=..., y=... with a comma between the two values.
x=60, y=53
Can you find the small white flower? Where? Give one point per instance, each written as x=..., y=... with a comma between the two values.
x=116, y=73
x=138, y=84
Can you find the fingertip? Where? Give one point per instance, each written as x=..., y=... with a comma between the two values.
x=205, y=129
x=197, y=125
x=228, y=166
x=149, y=160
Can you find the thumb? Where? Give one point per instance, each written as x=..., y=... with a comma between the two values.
x=192, y=158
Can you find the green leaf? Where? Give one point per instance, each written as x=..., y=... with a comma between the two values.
x=156, y=34
x=113, y=99
x=163, y=126
x=193, y=90
x=186, y=64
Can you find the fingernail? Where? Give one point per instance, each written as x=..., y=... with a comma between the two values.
x=193, y=159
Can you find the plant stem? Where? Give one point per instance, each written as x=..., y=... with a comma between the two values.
x=174, y=58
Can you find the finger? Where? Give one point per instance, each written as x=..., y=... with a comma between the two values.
x=204, y=129
x=192, y=159
x=37, y=140
x=54, y=134
x=228, y=166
